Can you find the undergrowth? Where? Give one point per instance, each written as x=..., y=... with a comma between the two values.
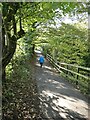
x=20, y=97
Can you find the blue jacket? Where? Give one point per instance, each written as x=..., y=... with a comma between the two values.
x=41, y=59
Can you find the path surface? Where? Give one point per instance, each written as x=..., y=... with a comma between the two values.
x=58, y=99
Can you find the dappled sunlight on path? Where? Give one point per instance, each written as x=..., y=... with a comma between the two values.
x=58, y=98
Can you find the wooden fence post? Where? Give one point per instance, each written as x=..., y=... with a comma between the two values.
x=67, y=71
x=77, y=72
x=77, y=76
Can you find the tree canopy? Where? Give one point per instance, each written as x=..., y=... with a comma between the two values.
x=21, y=19
x=59, y=29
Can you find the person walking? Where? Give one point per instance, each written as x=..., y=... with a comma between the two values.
x=41, y=60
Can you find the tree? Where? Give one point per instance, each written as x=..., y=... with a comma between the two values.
x=68, y=43
x=10, y=35
x=32, y=14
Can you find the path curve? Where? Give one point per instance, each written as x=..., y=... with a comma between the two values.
x=58, y=99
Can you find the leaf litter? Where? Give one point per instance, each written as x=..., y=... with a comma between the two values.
x=20, y=99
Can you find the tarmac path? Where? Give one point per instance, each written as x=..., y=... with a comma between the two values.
x=59, y=100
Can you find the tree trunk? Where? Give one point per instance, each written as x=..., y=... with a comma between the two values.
x=8, y=22
x=3, y=74
x=9, y=55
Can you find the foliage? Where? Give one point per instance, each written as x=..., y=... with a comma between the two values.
x=20, y=98
x=10, y=34
x=69, y=43
x=19, y=18
x=25, y=24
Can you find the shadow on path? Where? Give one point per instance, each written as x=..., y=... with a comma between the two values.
x=58, y=99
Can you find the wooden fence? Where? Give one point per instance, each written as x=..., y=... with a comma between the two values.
x=80, y=74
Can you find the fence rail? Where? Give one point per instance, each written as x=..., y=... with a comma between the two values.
x=68, y=69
